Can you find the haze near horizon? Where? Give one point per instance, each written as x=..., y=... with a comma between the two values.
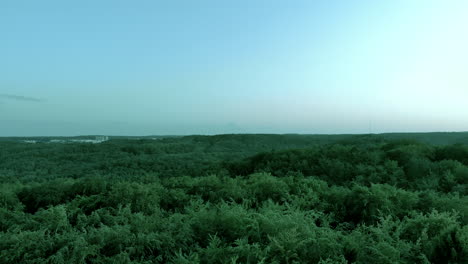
x=210, y=67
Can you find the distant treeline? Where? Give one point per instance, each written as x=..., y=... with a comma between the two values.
x=236, y=199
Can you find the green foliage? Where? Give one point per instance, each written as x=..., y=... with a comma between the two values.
x=235, y=199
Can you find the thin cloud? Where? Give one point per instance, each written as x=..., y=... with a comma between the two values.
x=20, y=98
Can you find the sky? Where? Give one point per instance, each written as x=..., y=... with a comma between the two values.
x=179, y=67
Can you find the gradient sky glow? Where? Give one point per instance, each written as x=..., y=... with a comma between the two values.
x=210, y=66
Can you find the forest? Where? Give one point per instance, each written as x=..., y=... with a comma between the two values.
x=390, y=198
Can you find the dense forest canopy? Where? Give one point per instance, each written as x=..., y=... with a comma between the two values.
x=390, y=198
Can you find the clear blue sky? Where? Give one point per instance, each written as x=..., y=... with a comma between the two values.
x=208, y=67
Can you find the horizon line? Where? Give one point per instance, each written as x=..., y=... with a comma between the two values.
x=195, y=134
